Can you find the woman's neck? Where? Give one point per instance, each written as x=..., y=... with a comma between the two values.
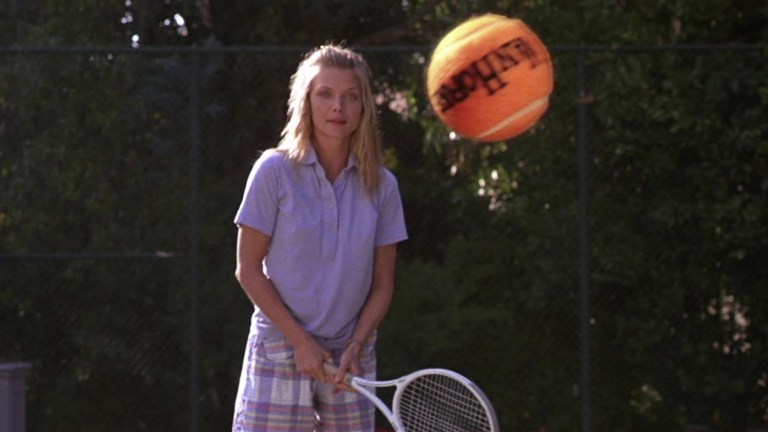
x=333, y=157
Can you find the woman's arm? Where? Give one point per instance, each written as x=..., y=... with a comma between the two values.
x=375, y=308
x=252, y=247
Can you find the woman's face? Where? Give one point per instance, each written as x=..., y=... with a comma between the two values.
x=336, y=103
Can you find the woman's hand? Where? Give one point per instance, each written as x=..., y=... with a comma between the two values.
x=349, y=363
x=309, y=357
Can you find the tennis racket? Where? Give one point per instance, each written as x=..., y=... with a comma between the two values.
x=430, y=400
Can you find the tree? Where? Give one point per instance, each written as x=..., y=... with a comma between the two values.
x=93, y=158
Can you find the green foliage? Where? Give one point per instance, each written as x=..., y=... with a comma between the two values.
x=682, y=161
x=89, y=167
x=94, y=158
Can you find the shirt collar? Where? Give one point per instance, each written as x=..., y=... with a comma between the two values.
x=310, y=158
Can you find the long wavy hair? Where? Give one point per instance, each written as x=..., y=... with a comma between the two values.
x=297, y=135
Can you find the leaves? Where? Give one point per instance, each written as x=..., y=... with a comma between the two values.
x=94, y=154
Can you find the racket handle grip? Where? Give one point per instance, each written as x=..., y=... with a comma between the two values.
x=331, y=369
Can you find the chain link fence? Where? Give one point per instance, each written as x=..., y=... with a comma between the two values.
x=573, y=272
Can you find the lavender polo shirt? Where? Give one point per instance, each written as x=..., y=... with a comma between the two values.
x=320, y=259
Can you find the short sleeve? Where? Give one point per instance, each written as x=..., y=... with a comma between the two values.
x=391, y=223
x=260, y=203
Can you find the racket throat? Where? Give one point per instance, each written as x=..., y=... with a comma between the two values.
x=382, y=407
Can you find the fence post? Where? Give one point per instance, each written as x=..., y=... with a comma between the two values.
x=585, y=335
x=13, y=397
x=194, y=243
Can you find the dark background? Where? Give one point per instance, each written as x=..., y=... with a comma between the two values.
x=605, y=271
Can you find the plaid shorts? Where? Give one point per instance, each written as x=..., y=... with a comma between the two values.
x=273, y=396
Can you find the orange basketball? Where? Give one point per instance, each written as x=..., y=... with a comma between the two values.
x=490, y=78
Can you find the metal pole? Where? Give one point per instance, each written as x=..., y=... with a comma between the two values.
x=584, y=251
x=13, y=396
x=194, y=244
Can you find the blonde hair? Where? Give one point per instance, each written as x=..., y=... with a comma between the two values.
x=297, y=137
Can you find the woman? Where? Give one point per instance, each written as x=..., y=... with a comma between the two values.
x=318, y=228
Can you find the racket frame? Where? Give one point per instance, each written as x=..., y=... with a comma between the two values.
x=367, y=388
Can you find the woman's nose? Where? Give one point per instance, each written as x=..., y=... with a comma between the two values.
x=338, y=104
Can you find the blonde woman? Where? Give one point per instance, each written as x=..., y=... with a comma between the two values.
x=318, y=229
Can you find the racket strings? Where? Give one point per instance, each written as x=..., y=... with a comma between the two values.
x=438, y=403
